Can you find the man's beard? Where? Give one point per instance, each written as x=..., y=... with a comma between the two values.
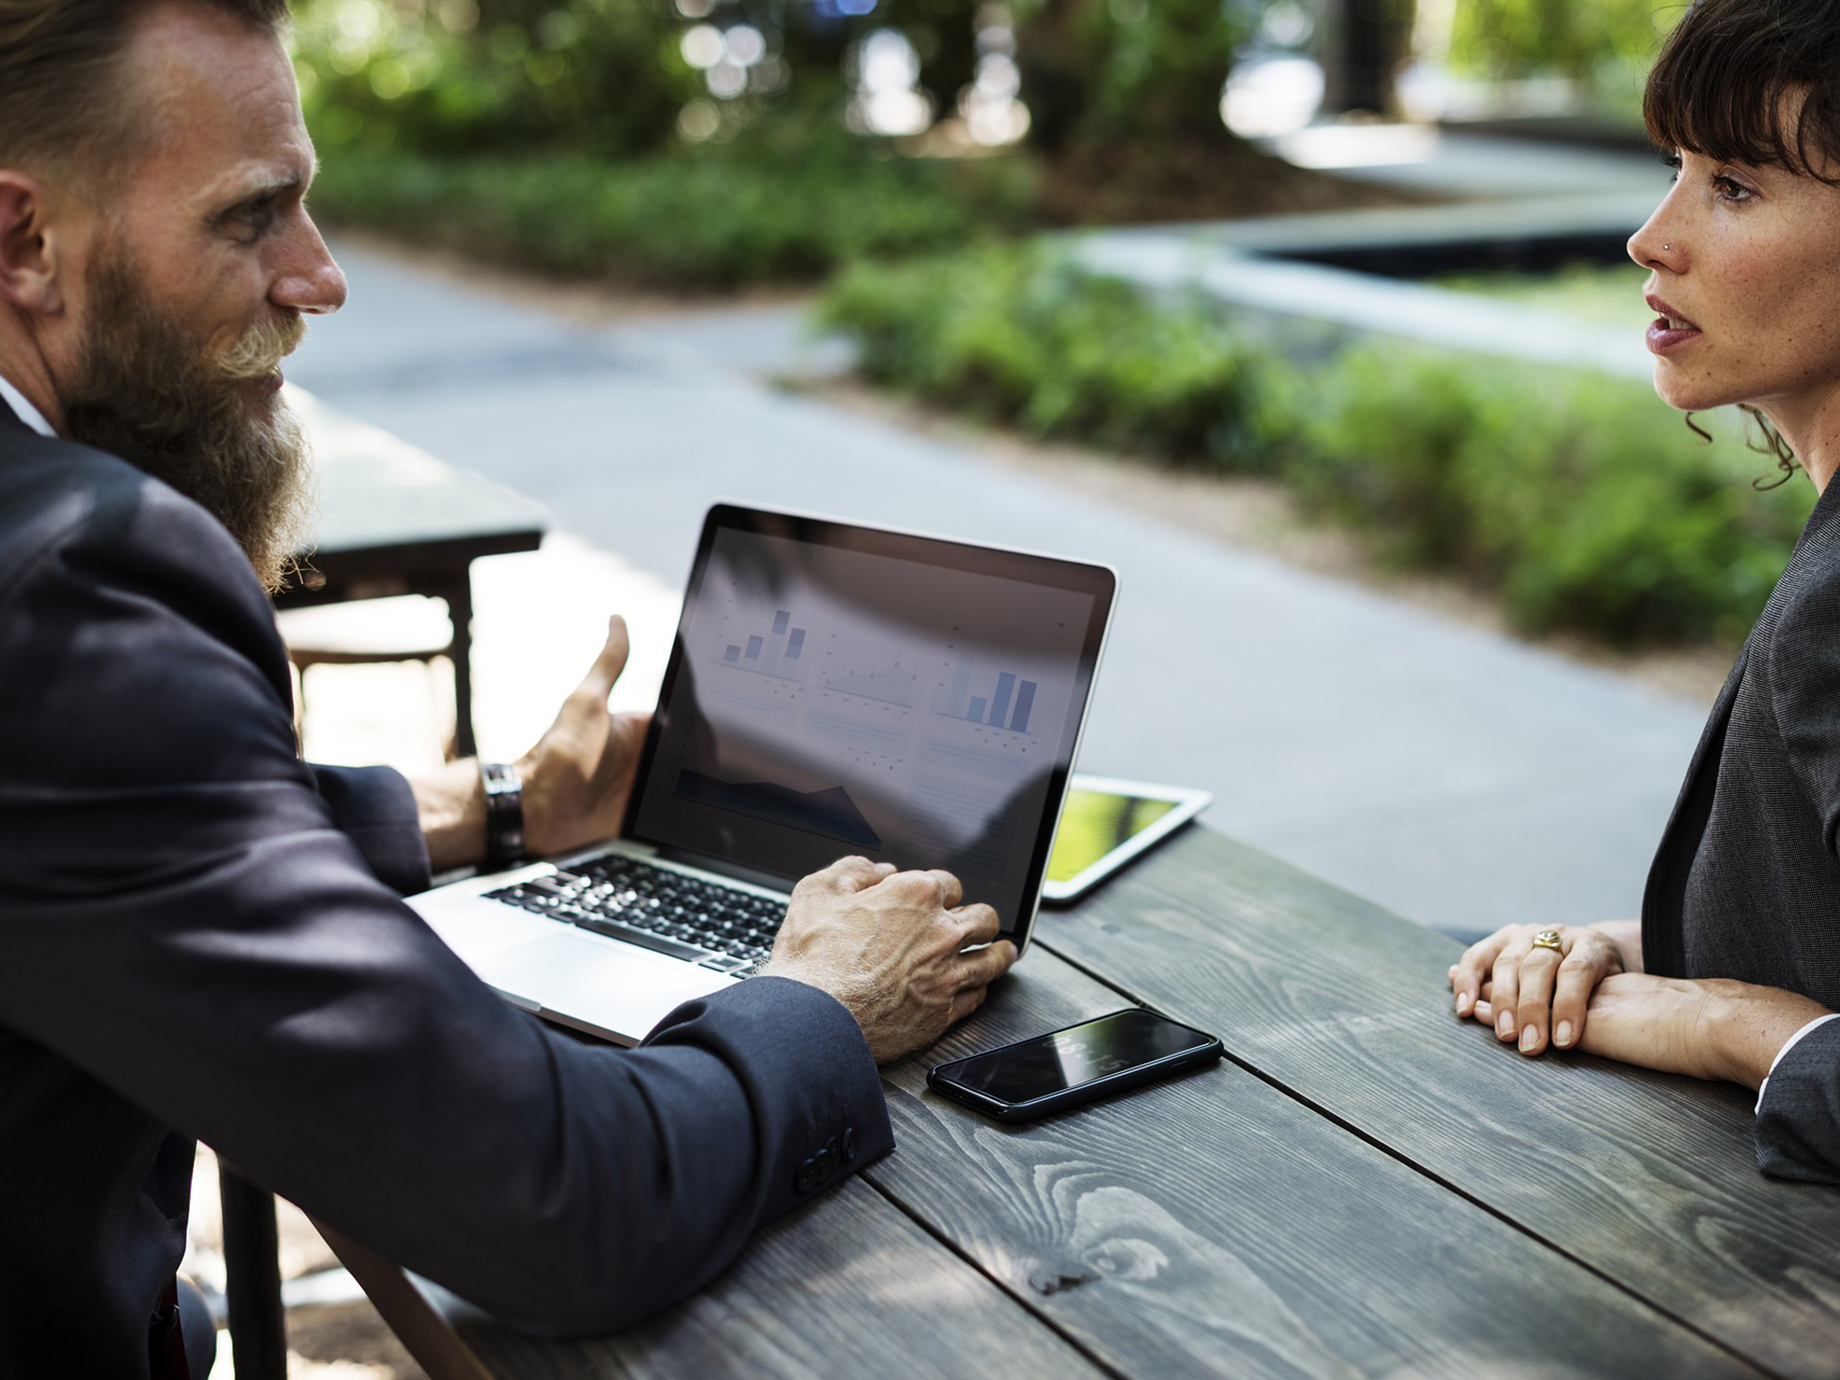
x=154, y=394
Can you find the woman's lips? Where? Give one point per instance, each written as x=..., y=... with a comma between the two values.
x=1669, y=330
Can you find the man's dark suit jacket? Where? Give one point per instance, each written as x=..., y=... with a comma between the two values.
x=201, y=937
x=1746, y=883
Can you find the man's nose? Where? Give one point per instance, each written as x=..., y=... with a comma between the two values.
x=309, y=282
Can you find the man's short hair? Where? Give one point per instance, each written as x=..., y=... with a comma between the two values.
x=63, y=110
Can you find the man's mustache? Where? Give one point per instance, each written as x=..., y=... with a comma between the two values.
x=258, y=352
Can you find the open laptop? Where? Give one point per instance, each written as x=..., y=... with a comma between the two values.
x=834, y=689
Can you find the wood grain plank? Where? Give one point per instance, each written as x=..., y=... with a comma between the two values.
x=1213, y=1226
x=1648, y=1178
x=847, y=1287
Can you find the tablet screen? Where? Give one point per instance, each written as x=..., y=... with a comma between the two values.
x=1107, y=822
x=1093, y=823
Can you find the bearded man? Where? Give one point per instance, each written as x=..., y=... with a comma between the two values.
x=200, y=935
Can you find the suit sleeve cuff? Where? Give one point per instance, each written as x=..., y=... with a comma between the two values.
x=1797, y=1130
x=817, y=1094
x=375, y=809
x=1788, y=1045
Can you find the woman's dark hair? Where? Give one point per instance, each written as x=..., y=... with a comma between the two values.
x=1728, y=79
x=1752, y=81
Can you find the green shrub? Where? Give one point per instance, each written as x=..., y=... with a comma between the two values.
x=736, y=214
x=1580, y=497
x=1379, y=439
x=1018, y=336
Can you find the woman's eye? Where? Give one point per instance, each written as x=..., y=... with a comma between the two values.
x=1729, y=189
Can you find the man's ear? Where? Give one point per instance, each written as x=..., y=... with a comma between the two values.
x=28, y=246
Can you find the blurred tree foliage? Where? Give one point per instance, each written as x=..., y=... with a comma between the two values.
x=1139, y=75
x=1123, y=96
x=470, y=76
x=613, y=76
x=1511, y=38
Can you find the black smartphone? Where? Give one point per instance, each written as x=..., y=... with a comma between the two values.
x=1067, y=1068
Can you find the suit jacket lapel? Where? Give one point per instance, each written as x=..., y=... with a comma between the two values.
x=1663, y=947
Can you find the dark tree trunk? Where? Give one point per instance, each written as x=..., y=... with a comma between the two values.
x=1364, y=43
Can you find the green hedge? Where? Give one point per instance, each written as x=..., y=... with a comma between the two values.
x=1581, y=498
x=1025, y=340
x=711, y=219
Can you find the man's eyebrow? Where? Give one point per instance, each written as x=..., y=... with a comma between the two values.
x=266, y=188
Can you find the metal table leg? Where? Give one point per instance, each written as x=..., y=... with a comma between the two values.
x=252, y=1278
x=458, y=596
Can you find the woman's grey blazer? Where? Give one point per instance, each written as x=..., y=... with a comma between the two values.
x=1746, y=882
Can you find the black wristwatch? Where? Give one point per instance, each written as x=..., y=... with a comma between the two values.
x=504, y=815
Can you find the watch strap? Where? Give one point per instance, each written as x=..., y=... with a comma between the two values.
x=504, y=814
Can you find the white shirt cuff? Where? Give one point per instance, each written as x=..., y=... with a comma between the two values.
x=1788, y=1045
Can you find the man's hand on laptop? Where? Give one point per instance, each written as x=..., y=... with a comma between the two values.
x=891, y=947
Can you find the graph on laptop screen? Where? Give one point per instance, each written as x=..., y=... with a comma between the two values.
x=914, y=703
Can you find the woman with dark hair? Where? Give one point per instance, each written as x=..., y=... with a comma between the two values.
x=1733, y=972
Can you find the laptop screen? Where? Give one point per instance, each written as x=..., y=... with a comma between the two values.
x=839, y=690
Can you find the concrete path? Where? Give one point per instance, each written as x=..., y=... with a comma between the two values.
x=1457, y=777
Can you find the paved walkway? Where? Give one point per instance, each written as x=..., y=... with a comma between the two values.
x=1455, y=776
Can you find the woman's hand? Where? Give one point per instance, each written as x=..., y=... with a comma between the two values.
x=1528, y=991
x=1711, y=1028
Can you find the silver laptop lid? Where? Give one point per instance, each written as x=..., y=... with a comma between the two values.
x=839, y=689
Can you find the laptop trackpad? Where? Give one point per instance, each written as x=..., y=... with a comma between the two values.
x=475, y=928
x=622, y=989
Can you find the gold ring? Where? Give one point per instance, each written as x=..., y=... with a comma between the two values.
x=1549, y=939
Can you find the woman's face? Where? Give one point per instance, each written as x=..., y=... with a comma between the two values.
x=1745, y=282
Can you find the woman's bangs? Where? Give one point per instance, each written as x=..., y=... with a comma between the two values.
x=1705, y=98
x=1739, y=86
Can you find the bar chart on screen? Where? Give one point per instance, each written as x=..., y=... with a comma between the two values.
x=1006, y=699
x=776, y=650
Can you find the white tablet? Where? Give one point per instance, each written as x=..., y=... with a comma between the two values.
x=1107, y=822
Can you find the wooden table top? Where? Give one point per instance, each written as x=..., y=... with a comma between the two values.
x=378, y=491
x=1366, y=1187
x=392, y=519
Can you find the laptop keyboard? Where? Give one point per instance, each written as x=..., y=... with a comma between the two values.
x=667, y=912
